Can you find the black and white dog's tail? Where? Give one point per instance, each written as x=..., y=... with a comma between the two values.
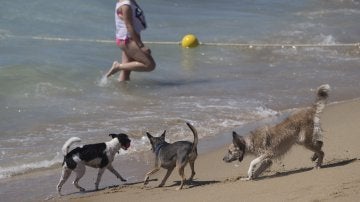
x=68, y=143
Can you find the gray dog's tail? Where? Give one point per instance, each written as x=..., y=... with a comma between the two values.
x=322, y=94
x=196, y=139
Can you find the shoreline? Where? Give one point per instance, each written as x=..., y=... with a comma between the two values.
x=212, y=173
x=338, y=180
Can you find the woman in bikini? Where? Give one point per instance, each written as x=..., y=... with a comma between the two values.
x=130, y=21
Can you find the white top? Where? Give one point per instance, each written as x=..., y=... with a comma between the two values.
x=137, y=16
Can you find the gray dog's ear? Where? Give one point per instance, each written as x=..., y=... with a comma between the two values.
x=163, y=135
x=149, y=135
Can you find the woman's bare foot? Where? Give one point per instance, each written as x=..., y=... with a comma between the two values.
x=114, y=68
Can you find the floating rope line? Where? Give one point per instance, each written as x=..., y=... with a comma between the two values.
x=283, y=45
x=248, y=45
x=44, y=38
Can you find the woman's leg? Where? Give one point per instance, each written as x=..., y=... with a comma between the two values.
x=124, y=74
x=140, y=61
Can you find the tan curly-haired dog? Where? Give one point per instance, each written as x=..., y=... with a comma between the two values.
x=268, y=143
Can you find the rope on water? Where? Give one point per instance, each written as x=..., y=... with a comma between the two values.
x=248, y=45
x=283, y=45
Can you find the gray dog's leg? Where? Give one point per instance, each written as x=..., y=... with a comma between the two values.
x=146, y=180
x=169, y=171
x=192, y=166
x=182, y=175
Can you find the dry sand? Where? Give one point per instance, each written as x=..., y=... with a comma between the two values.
x=289, y=179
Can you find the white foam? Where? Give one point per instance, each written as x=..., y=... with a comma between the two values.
x=21, y=169
x=48, y=89
x=137, y=145
x=265, y=112
x=103, y=82
x=323, y=12
x=325, y=39
x=231, y=123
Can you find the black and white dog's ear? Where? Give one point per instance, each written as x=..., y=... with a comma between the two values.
x=112, y=135
x=163, y=135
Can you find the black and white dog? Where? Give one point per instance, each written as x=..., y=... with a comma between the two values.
x=99, y=155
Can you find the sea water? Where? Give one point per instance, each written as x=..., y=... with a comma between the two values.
x=53, y=55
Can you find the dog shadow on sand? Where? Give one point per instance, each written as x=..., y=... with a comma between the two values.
x=176, y=183
x=198, y=183
x=188, y=185
x=194, y=183
x=105, y=188
x=331, y=164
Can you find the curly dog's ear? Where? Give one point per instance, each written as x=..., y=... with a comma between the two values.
x=239, y=142
x=237, y=139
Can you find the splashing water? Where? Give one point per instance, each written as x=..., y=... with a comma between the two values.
x=103, y=82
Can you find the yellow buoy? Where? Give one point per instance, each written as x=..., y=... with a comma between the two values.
x=189, y=41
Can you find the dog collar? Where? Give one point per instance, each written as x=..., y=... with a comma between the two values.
x=158, y=147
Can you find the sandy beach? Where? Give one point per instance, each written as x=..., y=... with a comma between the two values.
x=289, y=179
x=257, y=61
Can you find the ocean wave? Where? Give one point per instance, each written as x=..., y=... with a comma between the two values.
x=137, y=145
x=6, y=172
x=47, y=89
x=321, y=13
x=264, y=112
x=4, y=33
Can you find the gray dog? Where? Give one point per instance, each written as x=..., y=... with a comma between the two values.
x=170, y=155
